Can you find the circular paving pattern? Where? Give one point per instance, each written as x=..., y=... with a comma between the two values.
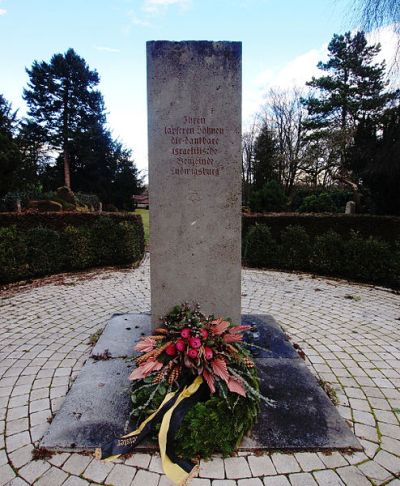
x=350, y=334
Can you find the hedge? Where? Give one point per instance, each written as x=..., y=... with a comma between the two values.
x=368, y=259
x=386, y=228
x=56, y=244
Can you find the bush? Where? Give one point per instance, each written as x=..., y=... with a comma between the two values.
x=260, y=248
x=270, y=198
x=13, y=252
x=28, y=251
x=76, y=246
x=386, y=228
x=328, y=252
x=318, y=203
x=365, y=259
x=369, y=260
x=45, y=253
x=295, y=249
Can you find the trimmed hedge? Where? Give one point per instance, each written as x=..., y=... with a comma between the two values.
x=369, y=259
x=30, y=251
x=386, y=228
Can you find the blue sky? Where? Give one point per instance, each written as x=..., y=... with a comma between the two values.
x=282, y=42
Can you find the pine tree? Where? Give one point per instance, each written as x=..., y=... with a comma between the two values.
x=265, y=158
x=353, y=89
x=10, y=157
x=62, y=100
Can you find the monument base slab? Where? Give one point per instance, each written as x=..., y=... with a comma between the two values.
x=97, y=407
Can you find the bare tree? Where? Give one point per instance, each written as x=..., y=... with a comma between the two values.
x=373, y=14
x=284, y=113
x=248, y=152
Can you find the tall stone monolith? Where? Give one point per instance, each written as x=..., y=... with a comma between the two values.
x=194, y=135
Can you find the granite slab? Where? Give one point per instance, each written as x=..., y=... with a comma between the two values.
x=303, y=418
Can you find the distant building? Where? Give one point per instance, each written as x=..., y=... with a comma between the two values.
x=141, y=200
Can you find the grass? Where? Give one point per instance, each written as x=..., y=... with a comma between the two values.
x=144, y=213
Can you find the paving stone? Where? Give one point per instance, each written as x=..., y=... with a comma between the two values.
x=76, y=464
x=200, y=482
x=333, y=459
x=21, y=456
x=213, y=468
x=97, y=471
x=34, y=470
x=250, y=482
x=352, y=476
x=121, y=475
x=388, y=461
x=6, y=474
x=53, y=477
x=302, y=479
x=237, y=468
x=19, y=425
x=16, y=441
x=309, y=461
x=156, y=464
x=139, y=460
x=328, y=478
x=261, y=465
x=146, y=478
x=224, y=482
x=374, y=471
x=285, y=463
x=276, y=481
x=59, y=459
x=75, y=481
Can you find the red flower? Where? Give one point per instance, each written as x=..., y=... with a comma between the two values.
x=208, y=353
x=171, y=349
x=204, y=333
x=180, y=345
x=192, y=353
x=185, y=333
x=195, y=342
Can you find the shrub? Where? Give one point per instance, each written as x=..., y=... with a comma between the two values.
x=369, y=260
x=260, y=249
x=27, y=250
x=13, y=252
x=76, y=246
x=270, y=197
x=45, y=255
x=318, y=203
x=295, y=248
x=365, y=259
x=328, y=252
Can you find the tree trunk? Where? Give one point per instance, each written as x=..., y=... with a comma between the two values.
x=67, y=172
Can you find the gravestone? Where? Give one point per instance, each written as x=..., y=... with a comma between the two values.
x=350, y=207
x=194, y=135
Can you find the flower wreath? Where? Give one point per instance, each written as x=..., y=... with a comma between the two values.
x=196, y=378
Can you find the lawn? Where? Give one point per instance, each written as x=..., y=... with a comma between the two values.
x=144, y=213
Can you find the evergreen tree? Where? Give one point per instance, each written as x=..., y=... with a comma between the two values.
x=10, y=157
x=265, y=159
x=62, y=100
x=374, y=159
x=352, y=90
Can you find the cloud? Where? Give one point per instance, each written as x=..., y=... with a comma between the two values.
x=135, y=20
x=154, y=6
x=106, y=49
x=297, y=71
x=3, y=11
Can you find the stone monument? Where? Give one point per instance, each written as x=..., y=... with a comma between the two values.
x=194, y=134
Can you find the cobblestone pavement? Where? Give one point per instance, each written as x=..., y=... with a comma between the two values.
x=350, y=334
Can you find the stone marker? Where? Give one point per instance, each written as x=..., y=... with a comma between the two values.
x=350, y=207
x=194, y=135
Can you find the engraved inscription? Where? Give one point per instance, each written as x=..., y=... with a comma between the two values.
x=194, y=147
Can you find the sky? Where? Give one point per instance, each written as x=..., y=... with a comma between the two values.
x=282, y=42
